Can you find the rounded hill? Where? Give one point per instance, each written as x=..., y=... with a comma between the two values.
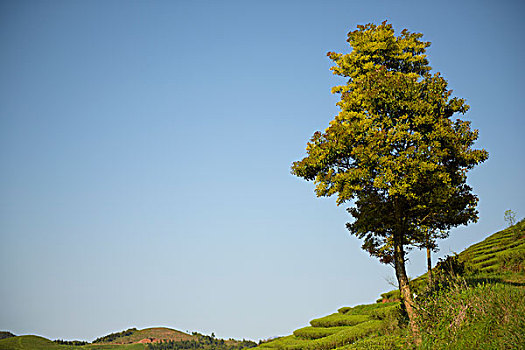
x=148, y=335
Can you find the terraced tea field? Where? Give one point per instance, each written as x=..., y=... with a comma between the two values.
x=341, y=330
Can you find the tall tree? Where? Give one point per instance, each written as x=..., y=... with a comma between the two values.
x=393, y=149
x=430, y=245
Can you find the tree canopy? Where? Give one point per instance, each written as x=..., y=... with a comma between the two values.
x=394, y=150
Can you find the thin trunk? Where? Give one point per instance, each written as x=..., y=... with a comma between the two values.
x=404, y=287
x=429, y=261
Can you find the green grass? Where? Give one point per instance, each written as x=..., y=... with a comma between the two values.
x=367, y=309
x=338, y=320
x=119, y=342
x=489, y=255
x=28, y=342
x=382, y=342
x=284, y=343
x=487, y=316
x=501, y=255
x=316, y=332
x=345, y=327
x=346, y=336
x=33, y=342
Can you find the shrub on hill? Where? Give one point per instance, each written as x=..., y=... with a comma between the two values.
x=512, y=260
x=286, y=342
x=344, y=337
x=366, y=309
x=113, y=336
x=70, y=342
x=362, y=321
x=382, y=342
x=203, y=342
x=385, y=312
x=5, y=335
x=338, y=320
x=316, y=332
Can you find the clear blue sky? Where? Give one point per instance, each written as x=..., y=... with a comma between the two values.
x=146, y=147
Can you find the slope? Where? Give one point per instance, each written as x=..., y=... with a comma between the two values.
x=493, y=271
x=33, y=342
x=498, y=258
x=148, y=335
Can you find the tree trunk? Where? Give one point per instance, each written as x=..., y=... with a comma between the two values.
x=429, y=260
x=404, y=287
x=429, y=267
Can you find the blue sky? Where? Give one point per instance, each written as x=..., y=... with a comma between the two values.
x=145, y=149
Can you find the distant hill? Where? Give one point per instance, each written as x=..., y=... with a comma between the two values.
x=131, y=339
x=149, y=335
x=493, y=281
x=24, y=342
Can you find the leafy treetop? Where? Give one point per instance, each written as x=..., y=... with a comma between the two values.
x=393, y=146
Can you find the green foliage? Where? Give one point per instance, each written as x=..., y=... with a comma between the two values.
x=5, y=335
x=502, y=252
x=113, y=336
x=338, y=320
x=382, y=342
x=393, y=147
x=510, y=217
x=487, y=316
x=512, y=260
x=347, y=336
x=316, y=332
x=202, y=342
x=367, y=309
x=451, y=265
x=71, y=342
x=31, y=342
x=328, y=332
x=499, y=258
x=284, y=343
x=28, y=342
x=385, y=312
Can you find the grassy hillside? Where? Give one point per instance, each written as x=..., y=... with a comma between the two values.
x=27, y=342
x=341, y=329
x=131, y=339
x=33, y=342
x=476, y=302
x=498, y=258
x=148, y=335
x=501, y=254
